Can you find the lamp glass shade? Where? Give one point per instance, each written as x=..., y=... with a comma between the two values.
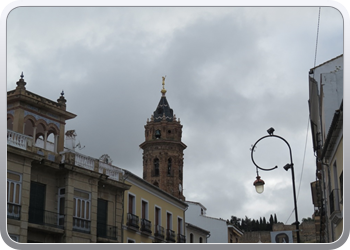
x=259, y=188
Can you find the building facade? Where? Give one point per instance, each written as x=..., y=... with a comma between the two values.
x=163, y=149
x=196, y=234
x=326, y=117
x=220, y=230
x=151, y=214
x=55, y=194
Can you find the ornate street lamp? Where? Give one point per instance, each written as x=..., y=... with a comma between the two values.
x=259, y=183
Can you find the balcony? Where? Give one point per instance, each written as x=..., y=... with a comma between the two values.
x=181, y=238
x=18, y=140
x=170, y=235
x=106, y=231
x=46, y=218
x=13, y=211
x=90, y=163
x=25, y=142
x=159, y=231
x=146, y=226
x=81, y=225
x=132, y=221
x=334, y=207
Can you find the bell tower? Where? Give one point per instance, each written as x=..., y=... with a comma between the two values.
x=163, y=149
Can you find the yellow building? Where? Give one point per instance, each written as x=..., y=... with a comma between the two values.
x=55, y=194
x=151, y=215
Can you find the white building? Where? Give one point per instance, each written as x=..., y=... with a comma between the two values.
x=326, y=117
x=220, y=230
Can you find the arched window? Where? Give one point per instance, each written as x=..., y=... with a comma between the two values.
x=157, y=134
x=169, y=166
x=156, y=166
x=29, y=128
x=200, y=240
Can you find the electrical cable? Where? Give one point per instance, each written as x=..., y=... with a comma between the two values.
x=308, y=122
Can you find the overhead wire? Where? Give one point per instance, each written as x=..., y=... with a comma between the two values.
x=308, y=121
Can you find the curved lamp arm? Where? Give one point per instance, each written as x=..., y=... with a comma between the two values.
x=271, y=135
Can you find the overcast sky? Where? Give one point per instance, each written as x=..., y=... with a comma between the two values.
x=231, y=73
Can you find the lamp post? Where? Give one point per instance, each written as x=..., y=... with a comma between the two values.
x=259, y=183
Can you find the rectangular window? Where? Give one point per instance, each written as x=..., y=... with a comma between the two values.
x=157, y=217
x=131, y=207
x=144, y=209
x=81, y=215
x=169, y=220
x=132, y=218
x=14, y=187
x=61, y=205
x=102, y=212
x=179, y=225
x=37, y=202
x=145, y=223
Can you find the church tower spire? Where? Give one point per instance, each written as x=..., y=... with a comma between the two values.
x=163, y=149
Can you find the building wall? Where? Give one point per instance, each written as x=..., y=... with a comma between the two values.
x=307, y=234
x=49, y=185
x=326, y=115
x=55, y=178
x=143, y=191
x=196, y=235
x=217, y=227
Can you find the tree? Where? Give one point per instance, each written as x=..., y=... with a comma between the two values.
x=271, y=219
x=235, y=221
x=307, y=219
x=275, y=219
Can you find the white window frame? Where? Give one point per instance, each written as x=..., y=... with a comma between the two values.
x=181, y=225
x=83, y=210
x=160, y=215
x=133, y=203
x=171, y=220
x=147, y=209
x=11, y=200
x=59, y=196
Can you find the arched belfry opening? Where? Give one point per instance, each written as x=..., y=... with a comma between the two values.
x=163, y=148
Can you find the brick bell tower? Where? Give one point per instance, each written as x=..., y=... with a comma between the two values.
x=163, y=149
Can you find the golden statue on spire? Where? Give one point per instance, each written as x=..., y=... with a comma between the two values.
x=163, y=91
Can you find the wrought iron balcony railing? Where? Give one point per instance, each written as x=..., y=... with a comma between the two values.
x=13, y=211
x=170, y=235
x=47, y=218
x=146, y=226
x=107, y=231
x=132, y=220
x=181, y=238
x=159, y=231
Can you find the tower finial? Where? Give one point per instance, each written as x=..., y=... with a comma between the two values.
x=21, y=83
x=163, y=91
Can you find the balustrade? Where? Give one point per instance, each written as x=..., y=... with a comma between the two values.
x=17, y=140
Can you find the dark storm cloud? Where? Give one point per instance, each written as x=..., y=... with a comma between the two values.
x=231, y=74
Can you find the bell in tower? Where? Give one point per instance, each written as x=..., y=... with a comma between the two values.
x=163, y=149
